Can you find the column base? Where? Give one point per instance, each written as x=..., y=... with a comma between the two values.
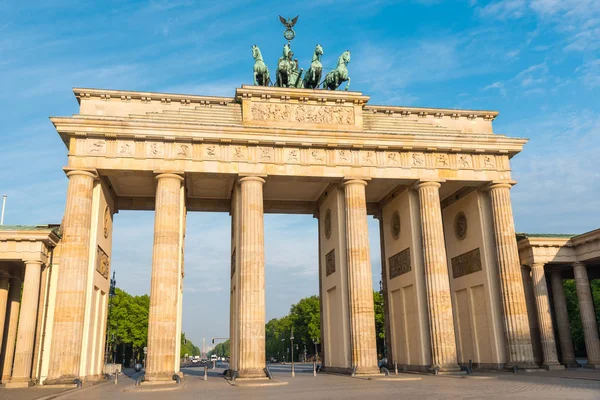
x=63, y=381
x=447, y=369
x=552, y=367
x=159, y=378
x=19, y=384
x=523, y=366
x=367, y=371
x=592, y=365
x=253, y=373
x=571, y=364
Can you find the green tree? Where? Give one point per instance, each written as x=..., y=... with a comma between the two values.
x=187, y=347
x=129, y=321
x=379, y=322
x=221, y=349
x=574, y=316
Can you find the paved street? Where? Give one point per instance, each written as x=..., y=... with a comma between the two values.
x=579, y=384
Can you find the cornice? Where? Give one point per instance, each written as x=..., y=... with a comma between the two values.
x=301, y=95
x=126, y=95
x=113, y=128
x=487, y=115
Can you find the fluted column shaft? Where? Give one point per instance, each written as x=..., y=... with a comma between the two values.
x=10, y=327
x=164, y=286
x=540, y=288
x=516, y=324
x=27, y=322
x=252, y=279
x=534, y=328
x=563, y=324
x=3, y=303
x=67, y=331
x=441, y=323
x=360, y=281
x=588, y=315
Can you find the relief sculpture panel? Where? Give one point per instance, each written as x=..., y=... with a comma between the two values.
x=302, y=113
x=330, y=263
x=102, y=263
x=400, y=263
x=466, y=263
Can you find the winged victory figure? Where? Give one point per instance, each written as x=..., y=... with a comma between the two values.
x=289, y=23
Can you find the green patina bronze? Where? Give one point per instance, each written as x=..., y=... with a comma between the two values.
x=289, y=75
x=313, y=75
x=335, y=78
x=261, y=72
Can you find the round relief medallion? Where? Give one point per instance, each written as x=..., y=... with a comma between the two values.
x=396, y=225
x=460, y=225
x=328, y=223
x=107, y=222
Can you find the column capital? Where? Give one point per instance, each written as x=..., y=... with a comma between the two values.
x=176, y=175
x=425, y=183
x=500, y=184
x=355, y=181
x=578, y=264
x=39, y=262
x=16, y=280
x=252, y=178
x=91, y=172
x=537, y=265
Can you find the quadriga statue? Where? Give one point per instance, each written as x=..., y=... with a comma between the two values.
x=313, y=75
x=335, y=78
x=261, y=72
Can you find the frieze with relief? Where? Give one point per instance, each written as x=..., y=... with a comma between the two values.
x=102, y=263
x=466, y=263
x=302, y=113
x=400, y=263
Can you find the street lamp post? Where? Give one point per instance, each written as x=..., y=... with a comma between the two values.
x=292, y=340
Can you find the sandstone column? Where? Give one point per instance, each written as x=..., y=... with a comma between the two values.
x=251, y=359
x=534, y=328
x=516, y=324
x=3, y=302
x=67, y=332
x=563, y=324
x=544, y=317
x=27, y=322
x=360, y=281
x=441, y=323
x=164, y=287
x=588, y=315
x=10, y=328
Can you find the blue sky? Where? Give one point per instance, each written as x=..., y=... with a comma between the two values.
x=535, y=61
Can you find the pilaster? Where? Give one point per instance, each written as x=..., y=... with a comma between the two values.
x=588, y=315
x=164, y=287
x=516, y=323
x=360, y=282
x=540, y=288
x=563, y=324
x=441, y=323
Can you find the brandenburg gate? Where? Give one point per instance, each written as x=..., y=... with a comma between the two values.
x=438, y=181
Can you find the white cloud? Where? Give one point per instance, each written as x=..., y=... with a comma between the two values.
x=590, y=73
x=497, y=85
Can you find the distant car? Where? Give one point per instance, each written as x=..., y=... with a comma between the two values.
x=213, y=357
x=195, y=360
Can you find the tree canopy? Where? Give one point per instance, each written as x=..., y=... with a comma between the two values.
x=128, y=324
x=305, y=318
